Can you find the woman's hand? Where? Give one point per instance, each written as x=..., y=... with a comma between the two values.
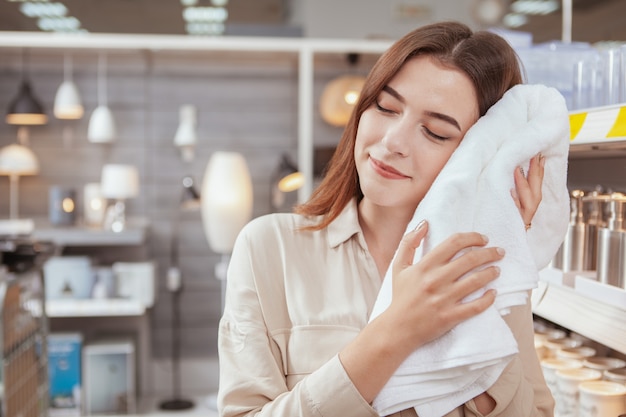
x=428, y=300
x=428, y=297
x=527, y=191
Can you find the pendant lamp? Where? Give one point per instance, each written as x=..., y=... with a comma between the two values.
x=340, y=96
x=101, y=127
x=67, y=102
x=25, y=109
x=186, y=135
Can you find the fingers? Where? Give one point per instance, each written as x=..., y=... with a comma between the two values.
x=535, y=174
x=527, y=192
x=409, y=243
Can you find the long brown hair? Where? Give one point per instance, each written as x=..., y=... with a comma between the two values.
x=486, y=58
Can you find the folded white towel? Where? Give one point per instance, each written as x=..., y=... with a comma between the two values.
x=472, y=193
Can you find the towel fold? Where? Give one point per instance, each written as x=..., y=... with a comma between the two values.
x=473, y=190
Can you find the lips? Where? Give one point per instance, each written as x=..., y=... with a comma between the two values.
x=386, y=171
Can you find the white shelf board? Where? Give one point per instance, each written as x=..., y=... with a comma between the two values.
x=577, y=302
x=134, y=234
x=94, y=308
x=188, y=43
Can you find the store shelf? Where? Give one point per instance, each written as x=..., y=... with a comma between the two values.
x=579, y=303
x=134, y=234
x=598, y=131
x=113, y=307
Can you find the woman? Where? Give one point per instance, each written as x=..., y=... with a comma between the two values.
x=295, y=338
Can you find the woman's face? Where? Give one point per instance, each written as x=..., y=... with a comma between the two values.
x=405, y=138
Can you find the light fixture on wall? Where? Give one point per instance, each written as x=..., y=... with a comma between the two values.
x=119, y=182
x=285, y=179
x=16, y=161
x=25, y=109
x=189, y=200
x=186, y=136
x=101, y=127
x=67, y=102
x=340, y=95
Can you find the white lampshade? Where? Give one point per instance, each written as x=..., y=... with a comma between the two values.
x=18, y=160
x=186, y=136
x=226, y=199
x=67, y=103
x=119, y=181
x=101, y=125
x=339, y=98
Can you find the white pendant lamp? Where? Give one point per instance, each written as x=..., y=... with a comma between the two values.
x=67, y=102
x=186, y=136
x=101, y=124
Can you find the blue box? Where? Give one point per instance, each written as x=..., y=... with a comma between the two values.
x=64, y=373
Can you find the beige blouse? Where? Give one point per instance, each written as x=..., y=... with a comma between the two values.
x=295, y=298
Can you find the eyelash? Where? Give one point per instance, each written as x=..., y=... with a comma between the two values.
x=381, y=108
x=433, y=135
x=426, y=130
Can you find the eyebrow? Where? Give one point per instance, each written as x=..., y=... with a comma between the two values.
x=449, y=119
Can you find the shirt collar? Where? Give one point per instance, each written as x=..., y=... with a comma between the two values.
x=345, y=226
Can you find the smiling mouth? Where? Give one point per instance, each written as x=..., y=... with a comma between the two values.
x=386, y=171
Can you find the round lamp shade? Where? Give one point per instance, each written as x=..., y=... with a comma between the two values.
x=226, y=199
x=18, y=160
x=101, y=126
x=119, y=181
x=339, y=98
x=67, y=104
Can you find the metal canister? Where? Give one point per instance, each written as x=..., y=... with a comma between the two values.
x=612, y=244
x=571, y=255
x=595, y=202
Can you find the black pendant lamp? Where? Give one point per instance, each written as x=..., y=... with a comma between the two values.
x=25, y=109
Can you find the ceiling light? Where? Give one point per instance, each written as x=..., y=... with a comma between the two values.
x=205, y=14
x=514, y=20
x=219, y=3
x=31, y=9
x=535, y=7
x=59, y=24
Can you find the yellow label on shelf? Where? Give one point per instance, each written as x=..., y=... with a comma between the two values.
x=598, y=125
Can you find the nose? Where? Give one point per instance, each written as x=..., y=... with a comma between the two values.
x=395, y=139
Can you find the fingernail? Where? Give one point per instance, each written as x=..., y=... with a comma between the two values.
x=542, y=161
x=513, y=192
x=497, y=269
x=420, y=226
x=485, y=238
x=500, y=251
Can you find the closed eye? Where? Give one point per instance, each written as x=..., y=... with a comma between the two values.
x=434, y=135
x=382, y=109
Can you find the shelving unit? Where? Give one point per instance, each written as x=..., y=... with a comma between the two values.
x=581, y=304
x=106, y=316
x=576, y=300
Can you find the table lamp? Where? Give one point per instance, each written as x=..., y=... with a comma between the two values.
x=118, y=182
x=15, y=161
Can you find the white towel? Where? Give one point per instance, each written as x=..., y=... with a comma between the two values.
x=472, y=193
